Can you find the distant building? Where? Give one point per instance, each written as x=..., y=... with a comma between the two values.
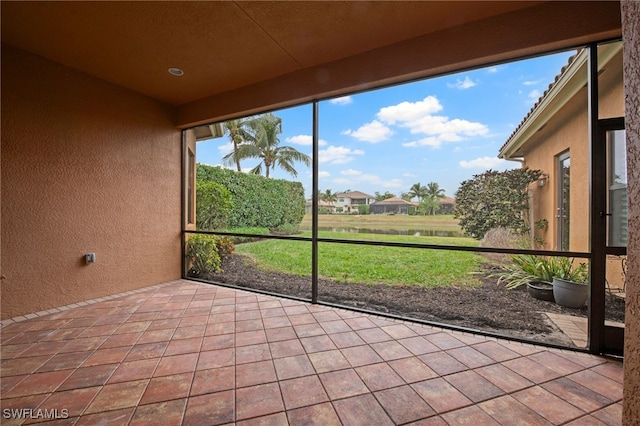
x=447, y=205
x=348, y=202
x=393, y=205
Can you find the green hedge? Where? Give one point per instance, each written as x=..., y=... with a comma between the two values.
x=275, y=204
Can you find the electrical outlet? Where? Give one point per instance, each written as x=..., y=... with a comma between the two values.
x=90, y=257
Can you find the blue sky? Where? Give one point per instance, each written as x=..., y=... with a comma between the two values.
x=442, y=130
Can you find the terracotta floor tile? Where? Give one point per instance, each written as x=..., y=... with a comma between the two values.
x=64, y=361
x=12, y=351
x=276, y=322
x=412, y=369
x=146, y=351
x=118, y=340
x=41, y=348
x=556, y=363
x=216, y=359
x=273, y=312
x=470, y=357
x=213, y=380
x=328, y=361
x=302, y=391
x=9, y=382
x=134, y=370
x=326, y=315
x=390, y=350
x=507, y=411
x=160, y=324
x=100, y=330
x=220, y=328
x=107, y=356
x=587, y=420
x=317, y=344
x=286, y=348
x=194, y=320
x=399, y=331
x=19, y=366
x=474, y=386
x=277, y=419
x=348, y=339
x=247, y=315
x=183, y=346
x=256, y=373
x=495, y=351
x=161, y=413
x=442, y=363
x=258, y=400
x=85, y=377
x=440, y=395
x=314, y=415
x=249, y=325
x=133, y=327
x=337, y=326
x=469, y=416
x=38, y=383
x=293, y=366
x=576, y=394
x=598, y=383
x=189, y=332
x=503, y=378
x=613, y=370
x=379, y=376
x=360, y=323
x=279, y=334
x=403, y=404
x=250, y=338
x=361, y=355
x=220, y=318
x=118, y=395
x=176, y=364
x=611, y=415
x=343, y=384
x=300, y=319
x=218, y=341
x=373, y=335
x=444, y=341
x=548, y=405
x=531, y=370
x=253, y=353
x=210, y=409
x=309, y=330
x=154, y=336
x=418, y=345
x=74, y=401
x=296, y=309
x=116, y=417
x=361, y=410
x=166, y=388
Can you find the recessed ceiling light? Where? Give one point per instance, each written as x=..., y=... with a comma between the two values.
x=176, y=71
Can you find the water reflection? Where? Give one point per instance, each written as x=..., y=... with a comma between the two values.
x=414, y=232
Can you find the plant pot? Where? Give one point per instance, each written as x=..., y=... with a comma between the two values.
x=541, y=290
x=570, y=294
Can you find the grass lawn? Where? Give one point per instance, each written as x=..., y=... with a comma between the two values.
x=371, y=264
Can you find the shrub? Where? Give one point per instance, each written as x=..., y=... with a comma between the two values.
x=494, y=199
x=213, y=206
x=205, y=253
x=364, y=209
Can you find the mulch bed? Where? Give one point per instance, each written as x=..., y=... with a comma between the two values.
x=489, y=307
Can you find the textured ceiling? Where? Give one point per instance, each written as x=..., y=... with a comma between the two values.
x=225, y=45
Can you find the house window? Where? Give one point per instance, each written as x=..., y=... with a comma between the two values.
x=341, y=200
x=617, y=183
x=563, y=208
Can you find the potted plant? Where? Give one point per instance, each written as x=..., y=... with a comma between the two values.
x=570, y=287
x=536, y=272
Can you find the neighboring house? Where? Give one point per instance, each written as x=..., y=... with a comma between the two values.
x=446, y=205
x=393, y=205
x=348, y=202
x=554, y=138
x=323, y=206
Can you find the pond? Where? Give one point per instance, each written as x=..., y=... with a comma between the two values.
x=414, y=232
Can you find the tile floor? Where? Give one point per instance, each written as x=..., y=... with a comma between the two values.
x=196, y=354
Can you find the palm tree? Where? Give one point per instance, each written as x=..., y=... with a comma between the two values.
x=238, y=134
x=434, y=193
x=417, y=191
x=263, y=143
x=329, y=197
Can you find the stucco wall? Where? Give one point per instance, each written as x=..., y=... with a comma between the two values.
x=86, y=167
x=631, y=35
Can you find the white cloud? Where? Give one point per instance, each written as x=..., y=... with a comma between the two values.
x=534, y=95
x=373, y=132
x=323, y=174
x=225, y=149
x=467, y=83
x=531, y=82
x=344, y=100
x=493, y=70
x=409, y=175
x=488, y=163
x=304, y=140
x=337, y=154
x=409, y=111
x=351, y=172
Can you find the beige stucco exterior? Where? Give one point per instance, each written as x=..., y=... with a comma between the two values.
x=86, y=167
